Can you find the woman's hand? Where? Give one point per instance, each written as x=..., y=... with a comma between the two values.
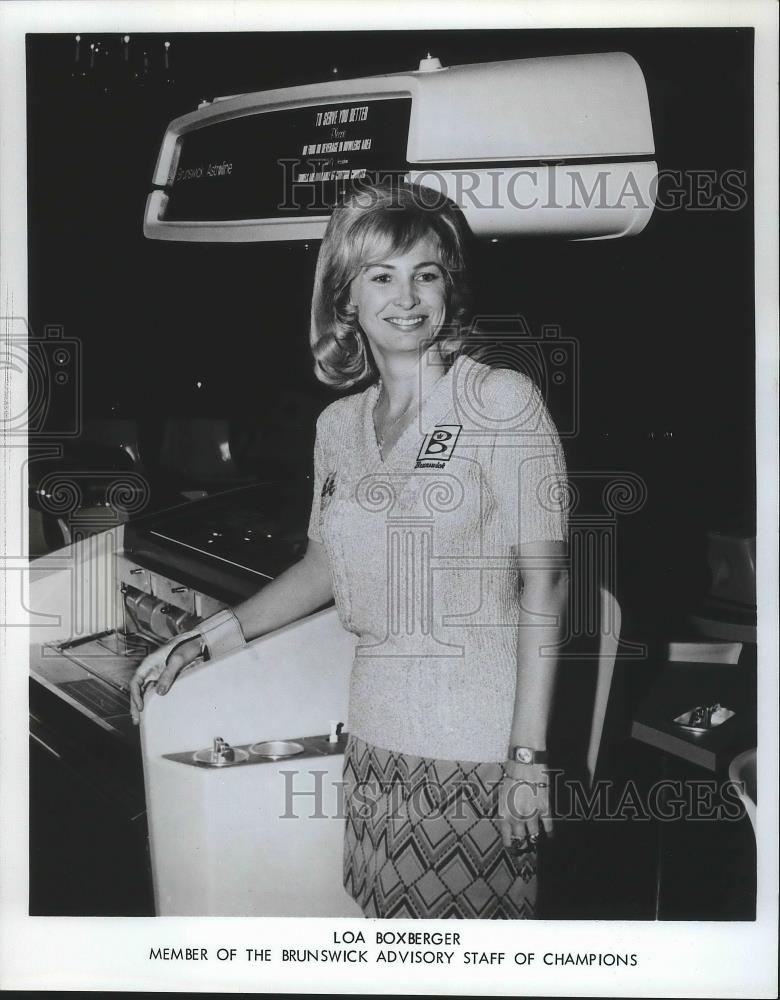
x=154, y=671
x=296, y=592
x=524, y=803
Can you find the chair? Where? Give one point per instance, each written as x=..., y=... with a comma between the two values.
x=607, y=654
x=113, y=433
x=582, y=742
x=742, y=771
x=585, y=672
x=728, y=610
x=197, y=452
x=703, y=652
x=46, y=533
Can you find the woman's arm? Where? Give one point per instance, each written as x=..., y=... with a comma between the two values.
x=296, y=592
x=526, y=473
x=542, y=614
x=525, y=799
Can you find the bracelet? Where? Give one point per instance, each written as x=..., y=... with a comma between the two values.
x=219, y=635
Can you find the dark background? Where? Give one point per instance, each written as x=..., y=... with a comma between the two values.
x=664, y=320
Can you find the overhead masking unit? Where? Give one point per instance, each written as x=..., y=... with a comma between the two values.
x=560, y=146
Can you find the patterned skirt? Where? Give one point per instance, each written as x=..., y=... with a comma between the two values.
x=422, y=839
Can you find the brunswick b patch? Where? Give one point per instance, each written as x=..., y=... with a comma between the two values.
x=438, y=446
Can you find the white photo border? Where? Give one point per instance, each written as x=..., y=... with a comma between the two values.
x=690, y=959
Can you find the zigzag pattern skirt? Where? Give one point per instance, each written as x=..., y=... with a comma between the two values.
x=422, y=839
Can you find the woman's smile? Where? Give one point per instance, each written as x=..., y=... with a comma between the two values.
x=404, y=294
x=405, y=322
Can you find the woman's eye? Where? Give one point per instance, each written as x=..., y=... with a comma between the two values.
x=427, y=276
x=381, y=279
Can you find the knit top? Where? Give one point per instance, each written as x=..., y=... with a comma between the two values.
x=423, y=548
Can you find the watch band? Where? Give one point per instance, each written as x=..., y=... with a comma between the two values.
x=527, y=755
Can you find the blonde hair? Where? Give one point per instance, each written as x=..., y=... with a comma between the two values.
x=375, y=220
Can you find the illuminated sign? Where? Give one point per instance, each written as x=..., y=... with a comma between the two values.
x=282, y=163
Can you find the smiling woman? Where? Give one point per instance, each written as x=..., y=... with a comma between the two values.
x=445, y=782
x=400, y=305
x=438, y=499
x=360, y=282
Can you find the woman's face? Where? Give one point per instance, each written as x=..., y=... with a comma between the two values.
x=402, y=300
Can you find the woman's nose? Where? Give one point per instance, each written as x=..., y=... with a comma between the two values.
x=406, y=294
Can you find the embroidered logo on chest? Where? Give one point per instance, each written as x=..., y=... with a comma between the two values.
x=327, y=491
x=438, y=446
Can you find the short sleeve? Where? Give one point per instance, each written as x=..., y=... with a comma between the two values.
x=318, y=477
x=526, y=470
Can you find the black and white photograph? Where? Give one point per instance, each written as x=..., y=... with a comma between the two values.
x=390, y=505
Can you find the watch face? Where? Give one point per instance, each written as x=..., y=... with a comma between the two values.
x=523, y=754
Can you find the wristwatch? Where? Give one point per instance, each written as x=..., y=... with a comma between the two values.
x=526, y=755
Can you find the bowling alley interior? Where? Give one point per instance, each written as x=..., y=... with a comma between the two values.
x=173, y=406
